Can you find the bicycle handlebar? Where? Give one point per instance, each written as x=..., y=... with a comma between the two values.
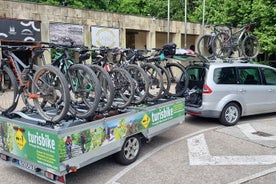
x=15, y=48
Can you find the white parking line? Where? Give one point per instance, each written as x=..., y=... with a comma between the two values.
x=199, y=155
x=254, y=176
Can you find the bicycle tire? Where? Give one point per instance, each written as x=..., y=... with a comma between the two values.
x=141, y=83
x=156, y=81
x=221, y=45
x=107, y=88
x=204, y=45
x=179, y=79
x=8, y=89
x=124, y=87
x=24, y=95
x=250, y=46
x=86, y=94
x=166, y=81
x=51, y=87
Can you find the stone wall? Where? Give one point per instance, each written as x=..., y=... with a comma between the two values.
x=47, y=14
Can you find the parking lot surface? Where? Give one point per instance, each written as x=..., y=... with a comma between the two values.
x=197, y=151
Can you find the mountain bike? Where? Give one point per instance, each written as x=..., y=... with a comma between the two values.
x=46, y=86
x=156, y=61
x=122, y=80
x=176, y=72
x=139, y=76
x=107, y=87
x=204, y=43
x=83, y=83
x=242, y=41
x=154, y=74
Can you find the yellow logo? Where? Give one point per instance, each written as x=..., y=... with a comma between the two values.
x=19, y=139
x=145, y=121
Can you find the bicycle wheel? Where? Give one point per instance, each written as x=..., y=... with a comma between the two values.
x=155, y=81
x=221, y=45
x=166, y=81
x=107, y=88
x=250, y=46
x=141, y=82
x=8, y=90
x=85, y=91
x=204, y=45
x=124, y=87
x=50, y=93
x=26, y=76
x=179, y=79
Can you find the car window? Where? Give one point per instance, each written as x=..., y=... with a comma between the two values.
x=270, y=76
x=226, y=75
x=249, y=75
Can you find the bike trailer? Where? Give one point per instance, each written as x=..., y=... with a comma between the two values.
x=42, y=149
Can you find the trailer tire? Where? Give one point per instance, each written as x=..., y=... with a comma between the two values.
x=130, y=150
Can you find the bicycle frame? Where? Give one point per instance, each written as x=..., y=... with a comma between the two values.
x=15, y=64
x=64, y=63
x=238, y=35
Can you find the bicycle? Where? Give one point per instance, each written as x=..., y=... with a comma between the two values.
x=176, y=72
x=83, y=84
x=156, y=61
x=46, y=86
x=139, y=76
x=107, y=87
x=122, y=81
x=204, y=43
x=242, y=41
x=155, y=78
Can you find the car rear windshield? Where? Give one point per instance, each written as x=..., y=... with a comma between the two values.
x=196, y=76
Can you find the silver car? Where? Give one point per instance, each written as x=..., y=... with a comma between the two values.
x=228, y=91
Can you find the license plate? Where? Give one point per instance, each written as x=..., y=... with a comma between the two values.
x=26, y=165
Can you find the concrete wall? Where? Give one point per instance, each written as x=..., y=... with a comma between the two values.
x=151, y=32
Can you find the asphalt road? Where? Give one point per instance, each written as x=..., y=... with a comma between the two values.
x=197, y=151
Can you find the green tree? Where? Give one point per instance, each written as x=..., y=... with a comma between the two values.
x=264, y=12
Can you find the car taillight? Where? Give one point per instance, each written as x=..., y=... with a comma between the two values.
x=206, y=89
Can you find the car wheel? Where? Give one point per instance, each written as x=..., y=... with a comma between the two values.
x=230, y=114
x=129, y=151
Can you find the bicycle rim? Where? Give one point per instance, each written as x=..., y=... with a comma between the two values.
x=204, y=46
x=250, y=47
x=221, y=45
x=84, y=90
x=107, y=88
x=141, y=83
x=166, y=81
x=179, y=79
x=8, y=89
x=52, y=93
x=155, y=81
x=124, y=87
x=24, y=95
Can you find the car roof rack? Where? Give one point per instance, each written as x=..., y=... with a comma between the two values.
x=238, y=60
x=203, y=60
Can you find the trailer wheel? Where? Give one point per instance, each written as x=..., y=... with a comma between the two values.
x=129, y=151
